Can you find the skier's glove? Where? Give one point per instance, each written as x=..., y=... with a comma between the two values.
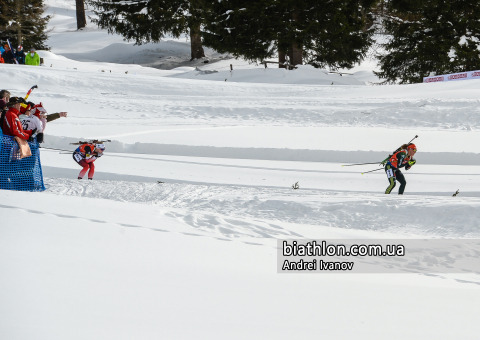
x=410, y=164
x=40, y=137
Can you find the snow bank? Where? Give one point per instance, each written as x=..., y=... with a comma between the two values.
x=305, y=74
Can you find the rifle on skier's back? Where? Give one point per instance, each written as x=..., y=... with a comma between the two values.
x=382, y=163
x=398, y=149
x=94, y=141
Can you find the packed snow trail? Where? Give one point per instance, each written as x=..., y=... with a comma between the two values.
x=422, y=179
x=257, y=211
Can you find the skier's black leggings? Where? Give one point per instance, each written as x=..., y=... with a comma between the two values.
x=397, y=176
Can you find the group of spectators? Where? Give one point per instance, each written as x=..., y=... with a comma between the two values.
x=25, y=120
x=8, y=56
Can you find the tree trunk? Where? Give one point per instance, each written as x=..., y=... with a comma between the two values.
x=19, y=25
x=81, y=19
x=196, y=43
x=297, y=54
x=19, y=36
x=281, y=59
x=290, y=57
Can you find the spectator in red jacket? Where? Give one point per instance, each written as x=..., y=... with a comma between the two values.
x=11, y=125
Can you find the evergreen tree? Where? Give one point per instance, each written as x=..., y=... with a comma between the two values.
x=150, y=20
x=320, y=32
x=23, y=23
x=430, y=38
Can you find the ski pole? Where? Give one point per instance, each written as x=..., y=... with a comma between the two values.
x=371, y=171
x=360, y=164
x=56, y=149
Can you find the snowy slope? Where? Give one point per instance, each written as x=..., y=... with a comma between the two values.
x=111, y=276
x=125, y=256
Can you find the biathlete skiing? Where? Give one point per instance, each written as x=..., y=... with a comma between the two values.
x=400, y=158
x=85, y=155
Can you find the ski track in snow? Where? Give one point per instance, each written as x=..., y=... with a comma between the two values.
x=259, y=212
x=420, y=265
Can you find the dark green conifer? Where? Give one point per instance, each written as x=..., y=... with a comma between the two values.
x=146, y=21
x=320, y=32
x=24, y=23
x=430, y=38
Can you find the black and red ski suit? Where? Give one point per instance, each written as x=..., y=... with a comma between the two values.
x=84, y=155
x=398, y=160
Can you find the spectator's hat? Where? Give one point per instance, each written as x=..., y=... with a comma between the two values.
x=20, y=48
x=15, y=100
x=37, y=109
x=24, y=109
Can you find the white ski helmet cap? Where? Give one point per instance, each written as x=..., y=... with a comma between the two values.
x=100, y=146
x=39, y=108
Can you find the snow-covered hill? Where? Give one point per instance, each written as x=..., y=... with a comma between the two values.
x=176, y=237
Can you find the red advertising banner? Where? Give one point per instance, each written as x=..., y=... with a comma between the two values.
x=453, y=77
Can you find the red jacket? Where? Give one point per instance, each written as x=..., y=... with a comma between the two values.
x=13, y=127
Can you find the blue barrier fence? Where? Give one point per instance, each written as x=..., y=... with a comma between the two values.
x=19, y=174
